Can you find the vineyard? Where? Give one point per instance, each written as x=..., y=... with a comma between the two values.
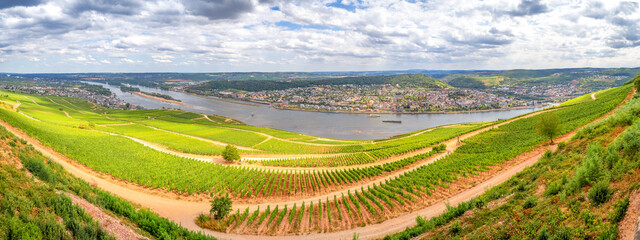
x=361, y=182
x=130, y=161
x=192, y=133
x=413, y=189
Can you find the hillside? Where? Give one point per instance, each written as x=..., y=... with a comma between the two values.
x=405, y=80
x=467, y=82
x=41, y=200
x=585, y=188
x=588, y=78
x=299, y=186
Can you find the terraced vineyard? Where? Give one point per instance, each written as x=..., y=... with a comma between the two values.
x=207, y=135
x=313, y=184
x=418, y=188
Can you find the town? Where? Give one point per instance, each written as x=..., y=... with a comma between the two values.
x=388, y=98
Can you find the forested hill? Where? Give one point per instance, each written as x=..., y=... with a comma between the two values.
x=405, y=80
x=586, y=78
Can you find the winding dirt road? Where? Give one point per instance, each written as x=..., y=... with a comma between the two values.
x=184, y=212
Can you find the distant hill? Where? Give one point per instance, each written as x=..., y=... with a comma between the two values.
x=404, y=80
x=589, y=78
x=465, y=82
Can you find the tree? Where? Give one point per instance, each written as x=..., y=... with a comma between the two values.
x=220, y=207
x=548, y=125
x=230, y=153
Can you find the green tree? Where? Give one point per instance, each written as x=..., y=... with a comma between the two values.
x=548, y=125
x=220, y=207
x=230, y=153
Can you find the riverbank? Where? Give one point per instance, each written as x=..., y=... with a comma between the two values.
x=352, y=126
x=160, y=99
x=253, y=103
x=240, y=102
x=431, y=112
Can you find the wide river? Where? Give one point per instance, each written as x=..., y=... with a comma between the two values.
x=332, y=125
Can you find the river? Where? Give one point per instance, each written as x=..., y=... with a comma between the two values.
x=332, y=125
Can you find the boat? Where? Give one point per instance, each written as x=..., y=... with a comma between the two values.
x=391, y=121
x=373, y=115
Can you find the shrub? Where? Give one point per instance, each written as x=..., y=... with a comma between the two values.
x=611, y=158
x=620, y=210
x=562, y=145
x=529, y=203
x=479, y=203
x=611, y=233
x=37, y=167
x=543, y=234
x=600, y=193
x=553, y=189
x=456, y=227
x=563, y=234
x=588, y=217
x=202, y=218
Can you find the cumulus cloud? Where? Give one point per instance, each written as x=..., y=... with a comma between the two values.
x=15, y=3
x=283, y=35
x=118, y=7
x=219, y=9
x=163, y=58
x=528, y=7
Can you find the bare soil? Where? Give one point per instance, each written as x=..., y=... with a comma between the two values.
x=107, y=222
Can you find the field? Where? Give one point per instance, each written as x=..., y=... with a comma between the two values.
x=314, y=185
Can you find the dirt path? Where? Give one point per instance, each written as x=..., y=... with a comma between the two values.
x=163, y=149
x=117, y=124
x=451, y=144
x=169, y=205
x=637, y=236
x=107, y=222
x=630, y=226
x=202, y=139
x=263, y=141
x=184, y=212
x=15, y=108
x=59, y=104
x=66, y=113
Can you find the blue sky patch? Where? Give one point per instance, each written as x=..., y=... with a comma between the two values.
x=295, y=26
x=339, y=4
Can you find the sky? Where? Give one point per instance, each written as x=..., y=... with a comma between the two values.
x=39, y=36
